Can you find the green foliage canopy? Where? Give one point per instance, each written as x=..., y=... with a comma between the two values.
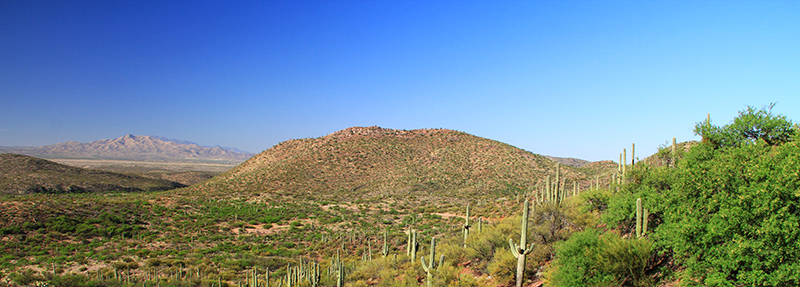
x=749, y=127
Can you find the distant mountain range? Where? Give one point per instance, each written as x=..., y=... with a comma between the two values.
x=133, y=147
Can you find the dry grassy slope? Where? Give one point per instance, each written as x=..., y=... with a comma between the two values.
x=371, y=162
x=21, y=174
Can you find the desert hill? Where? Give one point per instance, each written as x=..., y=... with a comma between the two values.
x=21, y=174
x=570, y=161
x=371, y=162
x=133, y=147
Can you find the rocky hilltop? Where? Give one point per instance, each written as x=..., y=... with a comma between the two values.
x=21, y=174
x=371, y=162
x=132, y=147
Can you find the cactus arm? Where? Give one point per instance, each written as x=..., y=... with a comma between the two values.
x=528, y=250
x=514, y=248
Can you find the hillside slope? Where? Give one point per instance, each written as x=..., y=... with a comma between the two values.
x=21, y=174
x=132, y=147
x=370, y=162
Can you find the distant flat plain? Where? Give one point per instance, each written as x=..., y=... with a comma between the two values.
x=143, y=166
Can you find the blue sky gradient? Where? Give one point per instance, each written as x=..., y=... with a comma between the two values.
x=578, y=79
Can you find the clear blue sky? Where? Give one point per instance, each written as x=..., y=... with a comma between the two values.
x=578, y=79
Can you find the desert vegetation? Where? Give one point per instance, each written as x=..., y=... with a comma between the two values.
x=720, y=212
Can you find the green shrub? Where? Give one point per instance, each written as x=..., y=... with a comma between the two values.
x=590, y=258
x=503, y=266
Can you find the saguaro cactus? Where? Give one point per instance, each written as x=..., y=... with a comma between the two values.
x=641, y=218
x=431, y=265
x=289, y=276
x=558, y=184
x=574, y=188
x=624, y=162
x=548, y=189
x=339, y=271
x=369, y=249
x=413, y=246
x=408, y=242
x=313, y=274
x=638, y=217
x=674, y=151
x=385, y=250
x=520, y=251
x=466, y=227
x=644, y=221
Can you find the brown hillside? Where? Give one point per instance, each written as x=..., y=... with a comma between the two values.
x=370, y=162
x=21, y=174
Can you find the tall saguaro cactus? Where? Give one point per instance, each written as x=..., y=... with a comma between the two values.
x=548, y=188
x=638, y=217
x=339, y=270
x=522, y=250
x=313, y=274
x=466, y=227
x=558, y=184
x=431, y=265
x=413, y=246
x=674, y=151
x=385, y=250
x=624, y=162
x=641, y=218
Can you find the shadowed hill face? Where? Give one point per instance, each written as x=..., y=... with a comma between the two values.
x=20, y=174
x=364, y=163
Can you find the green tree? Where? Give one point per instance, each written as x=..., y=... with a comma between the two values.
x=749, y=127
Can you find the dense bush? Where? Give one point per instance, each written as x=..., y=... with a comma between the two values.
x=592, y=258
x=729, y=209
x=733, y=216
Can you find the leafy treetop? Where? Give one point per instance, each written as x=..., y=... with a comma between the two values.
x=751, y=126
